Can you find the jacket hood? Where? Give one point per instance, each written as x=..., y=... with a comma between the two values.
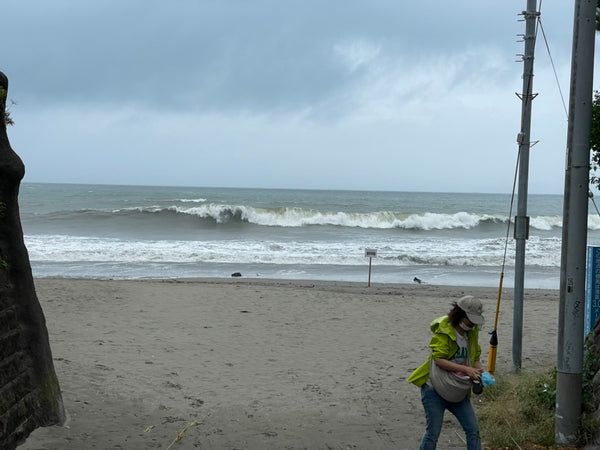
x=442, y=325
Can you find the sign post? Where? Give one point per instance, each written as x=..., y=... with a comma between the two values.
x=370, y=253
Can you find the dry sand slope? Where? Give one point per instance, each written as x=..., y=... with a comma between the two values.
x=257, y=364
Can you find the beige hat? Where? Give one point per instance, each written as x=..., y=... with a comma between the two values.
x=473, y=308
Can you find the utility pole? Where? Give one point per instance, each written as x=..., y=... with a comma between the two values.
x=569, y=363
x=524, y=141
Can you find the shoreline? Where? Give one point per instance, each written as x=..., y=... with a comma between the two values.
x=485, y=276
x=258, y=363
x=487, y=282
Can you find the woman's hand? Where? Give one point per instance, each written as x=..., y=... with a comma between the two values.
x=473, y=372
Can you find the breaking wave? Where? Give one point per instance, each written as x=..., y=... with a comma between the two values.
x=298, y=217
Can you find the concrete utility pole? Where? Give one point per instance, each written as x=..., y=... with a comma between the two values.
x=569, y=363
x=524, y=141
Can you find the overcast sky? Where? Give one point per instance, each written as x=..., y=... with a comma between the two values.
x=327, y=94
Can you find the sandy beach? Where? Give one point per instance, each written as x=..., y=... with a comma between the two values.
x=258, y=364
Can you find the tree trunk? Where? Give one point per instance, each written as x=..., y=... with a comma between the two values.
x=29, y=391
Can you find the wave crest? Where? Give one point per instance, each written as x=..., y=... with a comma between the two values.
x=300, y=217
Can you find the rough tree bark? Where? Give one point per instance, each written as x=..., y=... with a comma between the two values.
x=29, y=391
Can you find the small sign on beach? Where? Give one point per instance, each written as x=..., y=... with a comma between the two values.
x=370, y=253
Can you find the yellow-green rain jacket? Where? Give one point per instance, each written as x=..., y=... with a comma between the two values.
x=443, y=345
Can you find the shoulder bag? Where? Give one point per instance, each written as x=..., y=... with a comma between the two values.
x=450, y=386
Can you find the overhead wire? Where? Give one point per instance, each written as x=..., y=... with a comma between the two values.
x=526, y=97
x=553, y=67
x=494, y=338
x=491, y=367
x=591, y=196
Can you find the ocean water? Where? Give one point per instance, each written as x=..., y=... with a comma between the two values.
x=131, y=232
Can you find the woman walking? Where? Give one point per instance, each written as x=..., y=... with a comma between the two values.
x=455, y=350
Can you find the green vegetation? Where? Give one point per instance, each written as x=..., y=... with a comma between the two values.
x=595, y=140
x=518, y=411
x=595, y=134
x=7, y=119
x=591, y=366
x=50, y=399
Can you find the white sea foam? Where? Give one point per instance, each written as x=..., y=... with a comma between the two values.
x=192, y=200
x=435, y=221
x=546, y=223
x=76, y=230
x=140, y=209
x=298, y=217
x=405, y=252
x=593, y=222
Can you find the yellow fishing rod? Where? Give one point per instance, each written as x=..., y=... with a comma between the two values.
x=491, y=367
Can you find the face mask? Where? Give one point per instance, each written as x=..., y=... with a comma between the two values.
x=465, y=327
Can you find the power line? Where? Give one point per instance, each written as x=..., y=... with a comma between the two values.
x=553, y=68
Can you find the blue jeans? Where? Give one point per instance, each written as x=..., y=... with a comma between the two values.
x=435, y=406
